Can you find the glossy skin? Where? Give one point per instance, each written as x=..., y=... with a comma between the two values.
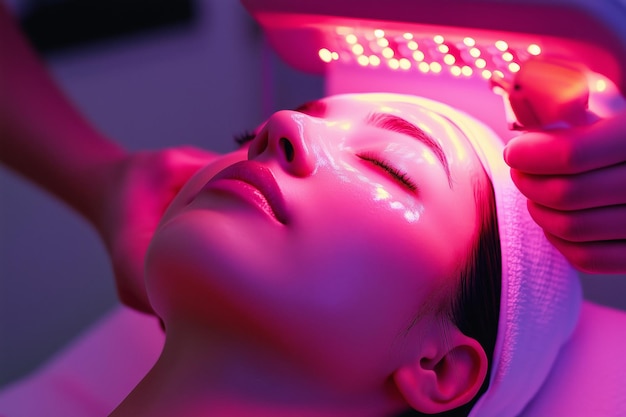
x=343, y=272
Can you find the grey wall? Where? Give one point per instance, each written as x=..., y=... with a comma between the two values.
x=196, y=85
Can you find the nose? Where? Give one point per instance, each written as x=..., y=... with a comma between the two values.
x=284, y=137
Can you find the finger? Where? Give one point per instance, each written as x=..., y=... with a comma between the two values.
x=603, y=187
x=606, y=223
x=183, y=163
x=194, y=156
x=606, y=257
x=164, y=173
x=570, y=151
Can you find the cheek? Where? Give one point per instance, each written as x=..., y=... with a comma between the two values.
x=364, y=252
x=454, y=223
x=204, y=263
x=356, y=296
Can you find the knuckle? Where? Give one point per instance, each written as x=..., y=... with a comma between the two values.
x=162, y=165
x=166, y=159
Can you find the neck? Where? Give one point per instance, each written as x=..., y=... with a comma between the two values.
x=209, y=374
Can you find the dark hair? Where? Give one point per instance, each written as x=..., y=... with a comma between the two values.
x=475, y=308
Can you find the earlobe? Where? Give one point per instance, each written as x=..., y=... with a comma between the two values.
x=443, y=377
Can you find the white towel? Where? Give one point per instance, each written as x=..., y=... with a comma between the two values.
x=541, y=292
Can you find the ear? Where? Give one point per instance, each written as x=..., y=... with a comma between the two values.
x=447, y=373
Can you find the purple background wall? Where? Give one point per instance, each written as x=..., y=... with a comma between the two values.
x=194, y=85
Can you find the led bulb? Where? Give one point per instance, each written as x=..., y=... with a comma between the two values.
x=502, y=45
x=325, y=55
x=534, y=49
x=357, y=49
x=418, y=56
x=469, y=41
x=382, y=42
x=351, y=38
x=449, y=59
x=435, y=67
x=400, y=50
x=514, y=67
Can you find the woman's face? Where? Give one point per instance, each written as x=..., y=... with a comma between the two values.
x=328, y=234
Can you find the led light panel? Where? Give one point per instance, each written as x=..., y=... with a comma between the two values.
x=461, y=56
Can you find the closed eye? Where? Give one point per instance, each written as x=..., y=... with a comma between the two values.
x=244, y=137
x=395, y=173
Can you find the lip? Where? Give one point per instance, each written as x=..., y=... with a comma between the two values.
x=259, y=187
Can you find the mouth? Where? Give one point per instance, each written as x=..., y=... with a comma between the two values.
x=254, y=183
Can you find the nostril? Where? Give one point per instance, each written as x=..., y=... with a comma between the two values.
x=287, y=148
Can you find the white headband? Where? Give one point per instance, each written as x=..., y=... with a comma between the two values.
x=541, y=293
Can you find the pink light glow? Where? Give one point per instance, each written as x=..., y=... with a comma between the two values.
x=501, y=34
x=457, y=55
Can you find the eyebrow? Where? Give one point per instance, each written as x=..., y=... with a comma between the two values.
x=397, y=124
x=390, y=122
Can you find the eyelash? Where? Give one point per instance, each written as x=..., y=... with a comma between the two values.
x=244, y=137
x=401, y=176
x=394, y=172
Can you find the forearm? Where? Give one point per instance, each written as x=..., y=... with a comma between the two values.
x=43, y=137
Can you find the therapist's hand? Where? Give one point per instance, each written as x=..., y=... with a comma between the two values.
x=46, y=139
x=139, y=189
x=575, y=182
